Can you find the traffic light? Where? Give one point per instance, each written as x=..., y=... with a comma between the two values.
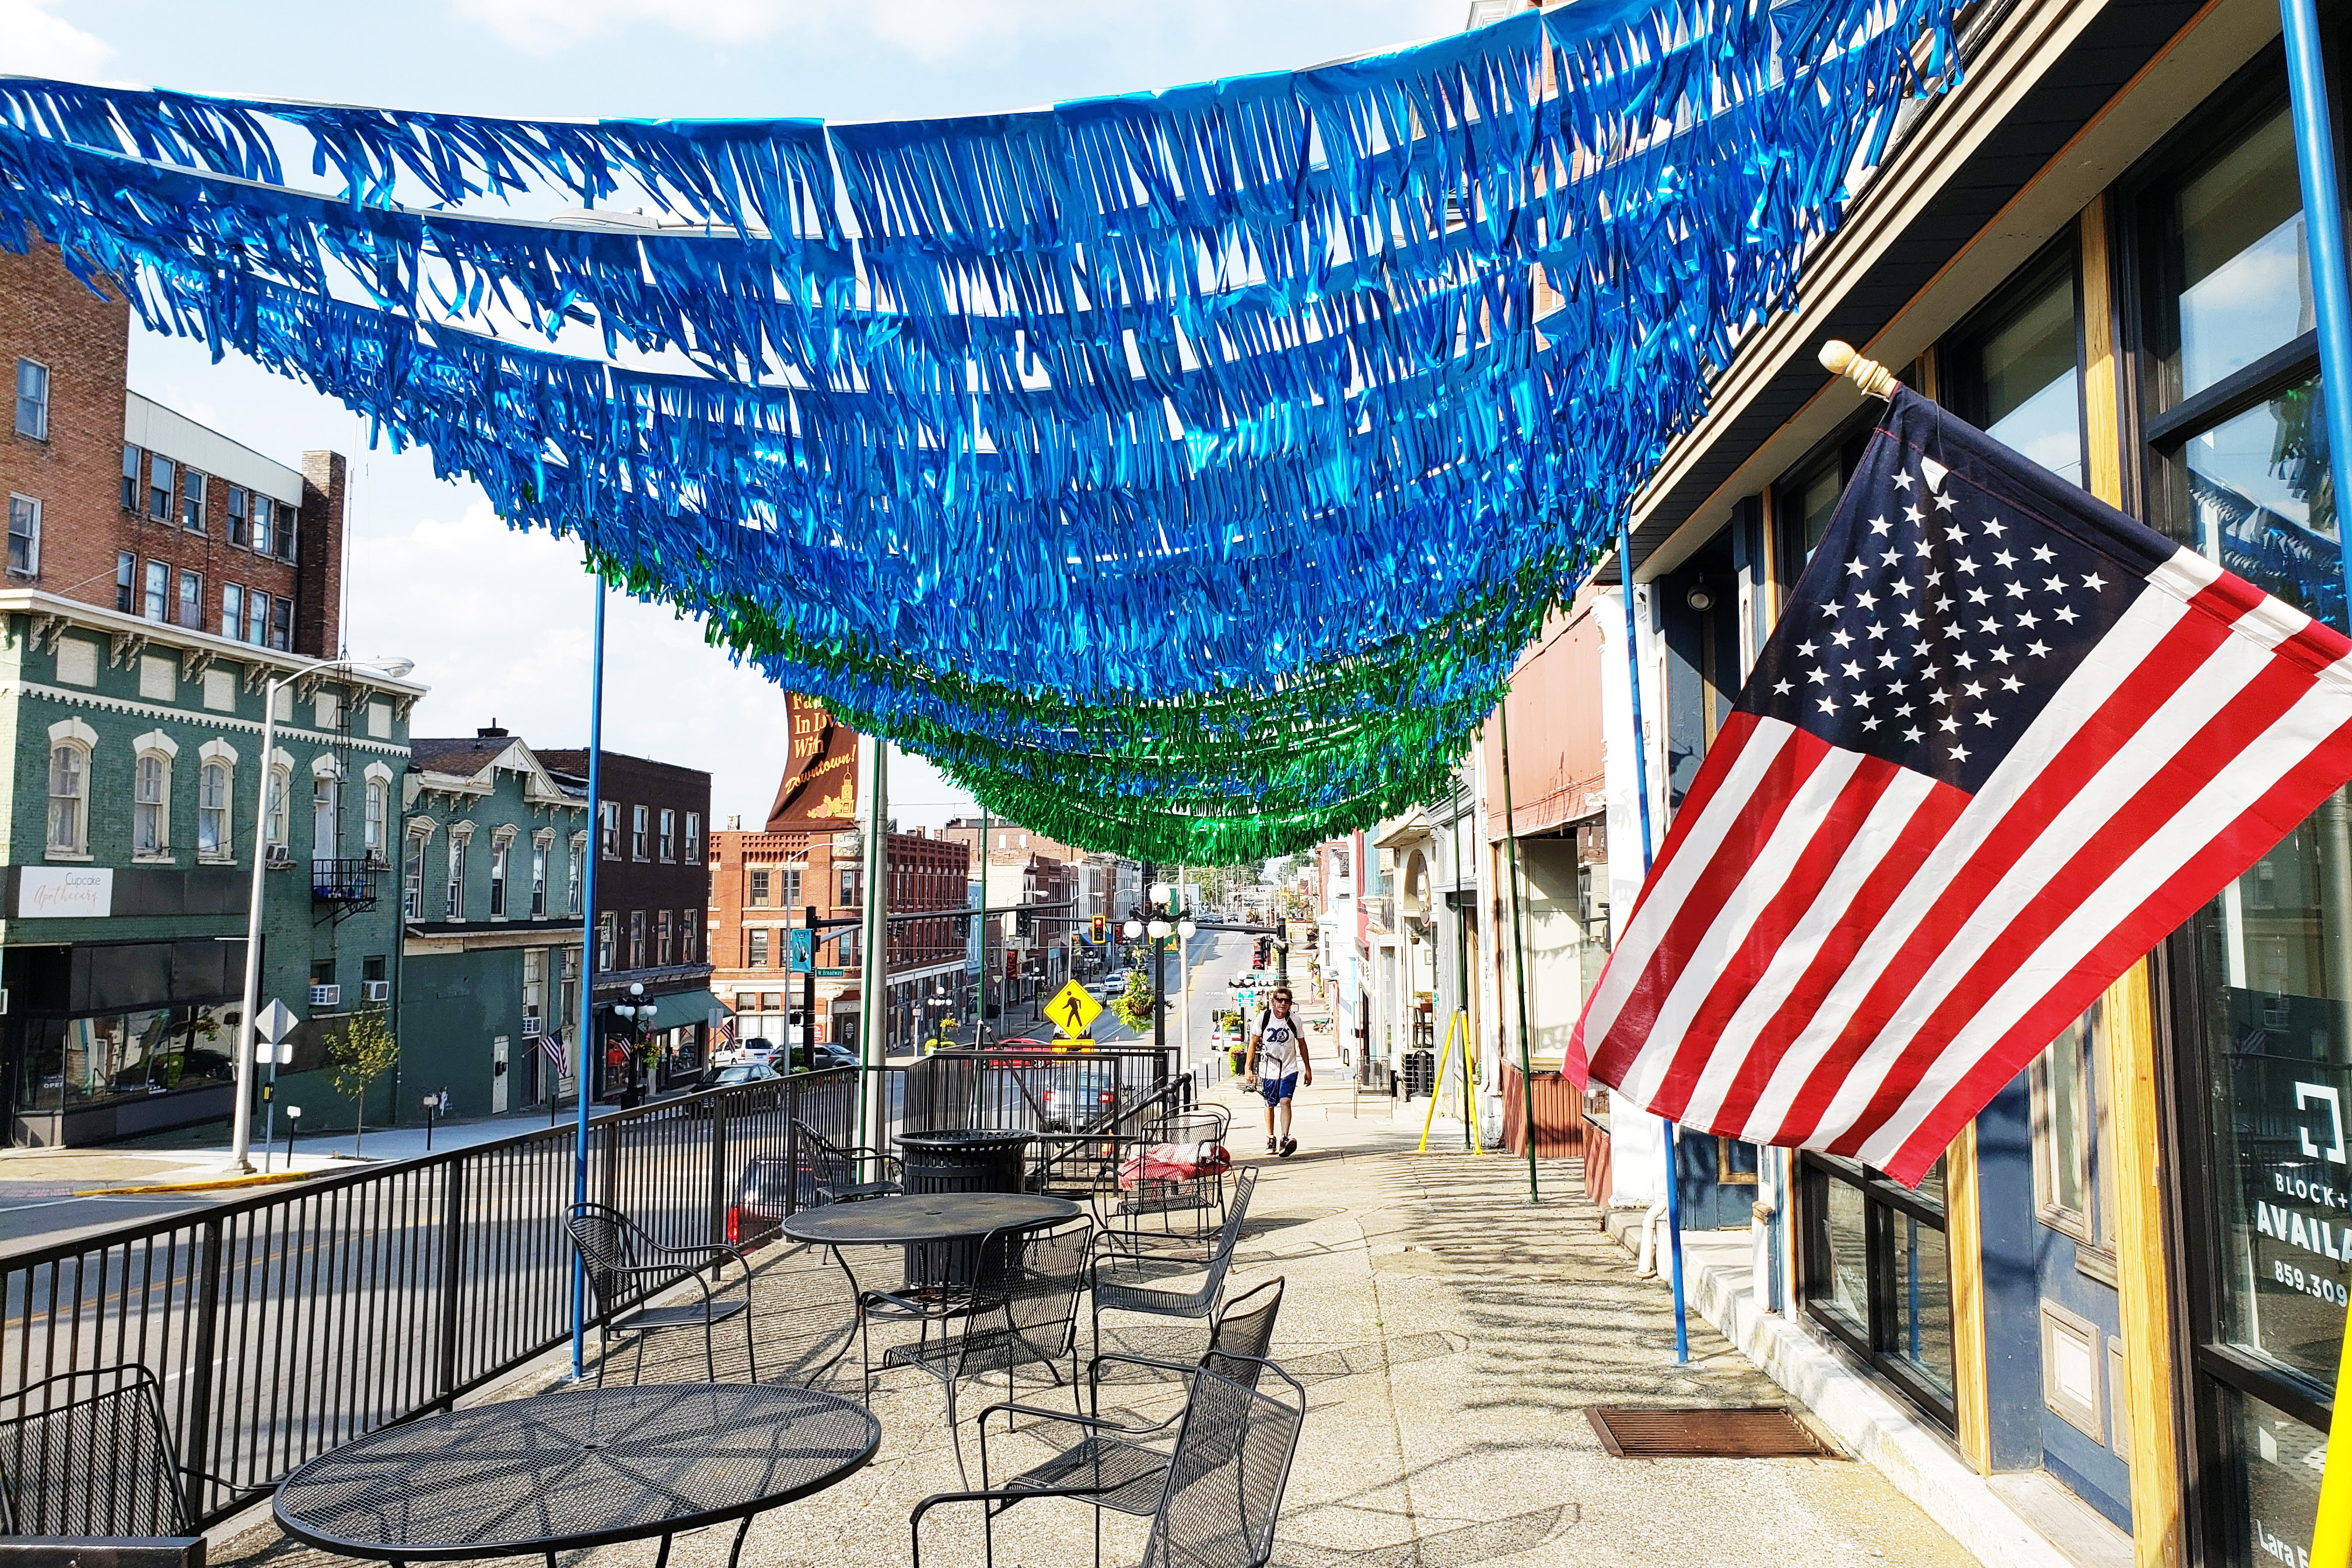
x=1101, y=929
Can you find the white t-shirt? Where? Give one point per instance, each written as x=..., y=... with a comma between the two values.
x=1280, y=1043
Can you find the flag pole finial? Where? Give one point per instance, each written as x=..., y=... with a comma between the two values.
x=1875, y=379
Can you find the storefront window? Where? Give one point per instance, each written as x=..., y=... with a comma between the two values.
x=2272, y=1476
x=72, y=1062
x=1877, y=1273
x=2017, y=374
x=2261, y=977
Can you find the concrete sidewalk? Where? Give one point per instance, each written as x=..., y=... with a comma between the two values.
x=1450, y=1336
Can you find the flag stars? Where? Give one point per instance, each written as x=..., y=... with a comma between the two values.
x=1829, y=704
x=1984, y=717
x=1979, y=596
x=2028, y=619
x=2065, y=614
x=1945, y=503
x=2095, y=582
x=1781, y=689
x=1973, y=690
x=2000, y=654
x=1905, y=711
x=1956, y=533
x=1948, y=724
x=1865, y=601
x=1807, y=649
x=1992, y=526
x=1843, y=638
x=1818, y=677
x=1853, y=671
x=1892, y=558
x=1913, y=514
x=2042, y=552
x=2055, y=585
x=1871, y=723
x=1911, y=618
x=1879, y=525
x=2039, y=649
x=1960, y=754
x=1886, y=659
x=1856, y=568
x=1903, y=588
x=1862, y=699
x=1990, y=623
x=2016, y=589
x=1965, y=660
x=1876, y=629
x=1967, y=565
x=1901, y=481
x=1913, y=735
x=2005, y=558
x=2010, y=683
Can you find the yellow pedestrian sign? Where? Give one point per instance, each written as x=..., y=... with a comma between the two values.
x=1072, y=1009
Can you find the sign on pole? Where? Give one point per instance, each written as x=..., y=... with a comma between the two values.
x=270, y=1026
x=803, y=949
x=1072, y=1009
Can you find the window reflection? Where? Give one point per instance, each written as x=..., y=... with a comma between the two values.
x=71, y=1062
x=2263, y=501
x=2029, y=388
x=2245, y=278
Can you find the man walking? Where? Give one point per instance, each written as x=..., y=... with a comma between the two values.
x=1277, y=1065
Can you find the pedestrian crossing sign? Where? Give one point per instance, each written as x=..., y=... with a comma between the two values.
x=1072, y=1009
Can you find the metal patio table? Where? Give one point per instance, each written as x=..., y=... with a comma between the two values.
x=580, y=1468
x=941, y=1232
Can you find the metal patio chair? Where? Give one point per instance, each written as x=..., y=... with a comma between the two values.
x=1123, y=1464
x=838, y=1171
x=623, y=1264
x=1221, y=1493
x=90, y=1454
x=1022, y=1310
x=1136, y=1295
x=1198, y=1200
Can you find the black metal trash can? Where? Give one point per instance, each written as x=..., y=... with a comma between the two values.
x=963, y=1160
x=957, y=1160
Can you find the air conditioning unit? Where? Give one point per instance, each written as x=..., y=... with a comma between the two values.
x=278, y=855
x=376, y=862
x=326, y=995
x=375, y=990
x=530, y=1026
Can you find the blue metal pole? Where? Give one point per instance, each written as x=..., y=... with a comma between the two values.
x=2323, y=227
x=585, y=1073
x=1641, y=789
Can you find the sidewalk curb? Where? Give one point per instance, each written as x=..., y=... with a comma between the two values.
x=210, y=1184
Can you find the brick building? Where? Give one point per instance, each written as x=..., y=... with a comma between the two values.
x=763, y=885
x=652, y=883
x=117, y=501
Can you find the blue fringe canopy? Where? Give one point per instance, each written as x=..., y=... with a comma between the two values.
x=1185, y=467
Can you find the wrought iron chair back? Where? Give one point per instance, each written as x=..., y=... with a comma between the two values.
x=611, y=1248
x=89, y=1452
x=834, y=1169
x=1226, y=1476
x=1245, y=1333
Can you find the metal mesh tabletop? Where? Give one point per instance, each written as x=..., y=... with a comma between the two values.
x=927, y=1216
x=576, y=1468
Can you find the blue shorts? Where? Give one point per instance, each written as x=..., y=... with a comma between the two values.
x=1277, y=1089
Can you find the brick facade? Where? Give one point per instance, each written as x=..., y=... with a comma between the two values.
x=91, y=514
x=927, y=872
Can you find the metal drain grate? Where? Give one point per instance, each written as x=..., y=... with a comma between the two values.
x=1759, y=1432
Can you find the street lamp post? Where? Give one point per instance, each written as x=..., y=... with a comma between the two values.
x=241, y=1135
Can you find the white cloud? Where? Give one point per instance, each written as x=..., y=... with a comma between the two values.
x=930, y=30
x=35, y=43
x=501, y=625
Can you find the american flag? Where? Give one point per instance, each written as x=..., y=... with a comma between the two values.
x=2003, y=739
x=551, y=1045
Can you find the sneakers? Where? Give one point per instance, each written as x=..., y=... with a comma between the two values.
x=1289, y=1147
x=1272, y=1147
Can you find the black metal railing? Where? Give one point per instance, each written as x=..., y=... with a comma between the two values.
x=283, y=1324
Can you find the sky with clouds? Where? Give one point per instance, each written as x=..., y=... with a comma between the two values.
x=498, y=621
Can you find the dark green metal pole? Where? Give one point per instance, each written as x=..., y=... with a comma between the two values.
x=1518, y=953
x=1461, y=967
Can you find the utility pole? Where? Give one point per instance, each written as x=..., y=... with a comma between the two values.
x=1158, y=965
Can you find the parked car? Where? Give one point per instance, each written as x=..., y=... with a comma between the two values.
x=740, y=1076
x=753, y=1049
x=828, y=1054
x=1109, y=986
